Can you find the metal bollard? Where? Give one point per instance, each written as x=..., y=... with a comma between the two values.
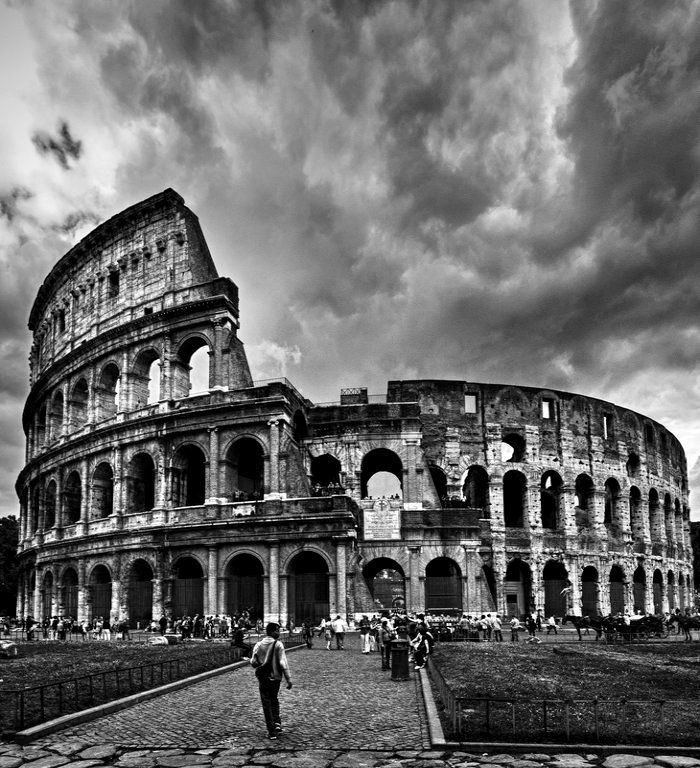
x=399, y=660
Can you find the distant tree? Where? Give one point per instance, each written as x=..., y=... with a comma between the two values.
x=9, y=538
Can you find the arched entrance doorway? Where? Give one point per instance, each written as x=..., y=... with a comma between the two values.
x=443, y=586
x=517, y=587
x=639, y=588
x=46, y=596
x=555, y=579
x=658, y=587
x=245, y=470
x=188, y=477
x=308, y=596
x=381, y=474
x=140, y=594
x=617, y=590
x=386, y=584
x=589, y=591
x=69, y=594
x=188, y=588
x=244, y=586
x=100, y=593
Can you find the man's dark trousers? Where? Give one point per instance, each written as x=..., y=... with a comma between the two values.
x=269, y=697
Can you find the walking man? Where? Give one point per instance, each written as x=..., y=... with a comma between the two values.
x=340, y=628
x=270, y=662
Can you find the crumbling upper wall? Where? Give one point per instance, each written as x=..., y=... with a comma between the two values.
x=136, y=263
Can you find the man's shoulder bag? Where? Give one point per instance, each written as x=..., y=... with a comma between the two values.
x=264, y=671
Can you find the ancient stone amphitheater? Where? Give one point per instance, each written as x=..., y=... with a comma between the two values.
x=142, y=497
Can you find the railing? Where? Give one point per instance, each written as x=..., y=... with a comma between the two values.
x=602, y=721
x=35, y=704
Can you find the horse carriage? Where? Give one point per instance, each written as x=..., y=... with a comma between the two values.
x=686, y=624
x=620, y=628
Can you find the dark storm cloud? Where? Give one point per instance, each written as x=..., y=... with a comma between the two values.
x=75, y=221
x=63, y=146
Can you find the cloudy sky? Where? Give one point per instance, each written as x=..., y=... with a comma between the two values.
x=492, y=191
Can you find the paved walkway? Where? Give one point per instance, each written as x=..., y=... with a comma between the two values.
x=343, y=712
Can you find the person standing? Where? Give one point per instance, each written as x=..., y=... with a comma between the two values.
x=339, y=628
x=497, y=632
x=269, y=660
x=551, y=625
x=514, y=629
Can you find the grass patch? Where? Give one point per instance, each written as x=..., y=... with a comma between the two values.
x=595, y=679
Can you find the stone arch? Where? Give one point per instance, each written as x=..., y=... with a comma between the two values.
x=616, y=581
x=611, y=518
x=510, y=405
x=439, y=478
x=191, y=375
x=514, y=499
x=107, y=391
x=72, y=497
x=140, y=483
x=585, y=494
x=245, y=469
x=188, y=475
x=145, y=378
x=590, y=605
x=139, y=577
x=551, y=486
x=443, y=585
x=188, y=586
x=56, y=415
x=244, y=575
x=102, y=496
x=41, y=433
x=656, y=527
x=300, y=428
x=308, y=592
x=100, y=593
x=671, y=590
x=325, y=470
x=78, y=404
x=657, y=584
x=555, y=578
x=633, y=464
x=69, y=592
x=378, y=465
x=636, y=513
x=475, y=489
x=513, y=448
x=50, y=504
x=47, y=595
x=386, y=582
x=517, y=585
x=639, y=589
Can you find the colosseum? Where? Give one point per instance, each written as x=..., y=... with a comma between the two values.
x=142, y=496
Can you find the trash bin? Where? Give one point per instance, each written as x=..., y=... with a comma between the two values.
x=399, y=660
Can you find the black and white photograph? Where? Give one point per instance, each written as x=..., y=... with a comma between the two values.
x=350, y=383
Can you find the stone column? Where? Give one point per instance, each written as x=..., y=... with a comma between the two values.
x=64, y=419
x=333, y=595
x=84, y=498
x=58, y=517
x=161, y=480
x=471, y=597
x=284, y=607
x=82, y=590
x=115, y=607
x=273, y=567
x=216, y=366
x=212, y=580
x=273, y=491
x=117, y=489
x=341, y=570
x=574, y=600
x=414, y=598
x=123, y=402
x=213, y=480
x=410, y=489
x=36, y=597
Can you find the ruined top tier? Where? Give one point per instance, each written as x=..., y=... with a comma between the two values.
x=146, y=258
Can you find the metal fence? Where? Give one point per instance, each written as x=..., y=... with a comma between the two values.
x=599, y=721
x=30, y=705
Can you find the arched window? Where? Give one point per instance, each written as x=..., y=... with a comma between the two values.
x=140, y=484
x=145, y=379
x=41, y=436
x=100, y=593
x=56, y=428
x=513, y=448
x=589, y=591
x=556, y=579
x=243, y=582
x=636, y=513
x=443, y=586
x=656, y=528
x=517, y=586
x=671, y=591
x=386, y=583
x=72, y=497
x=69, y=594
x=307, y=588
x=50, y=505
x=188, y=587
x=190, y=368
x=245, y=469
x=617, y=590
x=633, y=464
x=658, y=587
x=102, y=491
x=107, y=394
x=79, y=405
x=550, y=499
x=584, y=501
x=612, y=503
x=639, y=587
x=140, y=594
x=188, y=477
x=514, y=499
x=476, y=490
x=381, y=474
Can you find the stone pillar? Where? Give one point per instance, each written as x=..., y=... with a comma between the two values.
x=158, y=603
x=412, y=598
x=91, y=406
x=213, y=480
x=284, y=616
x=161, y=480
x=82, y=590
x=410, y=489
x=273, y=568
x=574, y=600
x=64, y=420
x=84, y=498
x=115, y=607
x=58, y=517
x=341, y=571
x=36, y=597
x=333, y=595
x=118, y=470
x=274, y=482
x=216, y=365
x=212, y=580
x=471, y=597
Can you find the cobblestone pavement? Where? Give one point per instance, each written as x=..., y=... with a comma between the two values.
x=343, y=712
